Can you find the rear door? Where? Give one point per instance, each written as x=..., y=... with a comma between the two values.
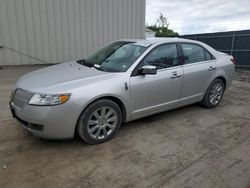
x=153, y=93
x=199, y=67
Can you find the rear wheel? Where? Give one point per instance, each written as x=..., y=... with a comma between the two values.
x=214, y=94
x=99, y=122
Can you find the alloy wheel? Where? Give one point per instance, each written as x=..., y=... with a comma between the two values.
x=102, y=122
x=216, y=93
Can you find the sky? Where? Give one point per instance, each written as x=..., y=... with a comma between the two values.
x=200, y=16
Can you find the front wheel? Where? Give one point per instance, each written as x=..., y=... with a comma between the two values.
x=214, y=94
x=99, y=122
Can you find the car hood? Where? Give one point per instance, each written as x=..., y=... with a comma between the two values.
x=60, y=78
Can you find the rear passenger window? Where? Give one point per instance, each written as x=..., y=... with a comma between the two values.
x=194, y=53
x=208, y=55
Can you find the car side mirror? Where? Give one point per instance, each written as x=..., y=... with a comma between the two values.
x=148, y=69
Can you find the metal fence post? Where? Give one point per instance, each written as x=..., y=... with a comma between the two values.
x=232, y=45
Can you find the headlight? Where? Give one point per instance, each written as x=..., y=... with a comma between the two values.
x=47, y=99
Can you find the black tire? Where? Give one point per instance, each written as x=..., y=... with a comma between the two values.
x=83, y=122
x=206, y=101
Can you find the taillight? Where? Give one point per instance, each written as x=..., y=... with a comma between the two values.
x=233, y=61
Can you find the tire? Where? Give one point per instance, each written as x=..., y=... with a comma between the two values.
x=99, y=122
x=214, y=94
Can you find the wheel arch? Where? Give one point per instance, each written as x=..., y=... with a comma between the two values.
x=118, y=102
x=223, y=80
x=115, y=99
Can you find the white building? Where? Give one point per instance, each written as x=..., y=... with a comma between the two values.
x=149, y=33
x=54, y=31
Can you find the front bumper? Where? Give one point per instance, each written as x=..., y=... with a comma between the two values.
x=50, y=122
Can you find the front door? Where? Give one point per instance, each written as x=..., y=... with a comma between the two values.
x=154, y=93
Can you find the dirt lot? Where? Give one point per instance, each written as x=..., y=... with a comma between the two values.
x=187, y=147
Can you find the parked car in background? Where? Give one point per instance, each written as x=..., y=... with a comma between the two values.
x=124, y=81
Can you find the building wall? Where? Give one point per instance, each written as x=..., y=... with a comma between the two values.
x=55, y=31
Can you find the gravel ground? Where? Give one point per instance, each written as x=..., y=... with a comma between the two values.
x=186, y=147
x=242, y=75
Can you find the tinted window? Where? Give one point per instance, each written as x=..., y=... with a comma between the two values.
x=193, y=53
x=208, y=55
x=163, y=57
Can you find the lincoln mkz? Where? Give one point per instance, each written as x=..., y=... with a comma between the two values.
x=126, y=80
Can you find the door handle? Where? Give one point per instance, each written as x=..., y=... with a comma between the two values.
x=175, y=75
x=211, y=68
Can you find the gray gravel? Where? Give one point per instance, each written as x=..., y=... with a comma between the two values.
x=187, y=147
x=242, y=75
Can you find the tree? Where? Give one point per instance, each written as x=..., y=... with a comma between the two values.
x=161, y=28
x=162, y=21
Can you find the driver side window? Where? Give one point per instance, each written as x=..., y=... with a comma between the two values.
x=163, y=57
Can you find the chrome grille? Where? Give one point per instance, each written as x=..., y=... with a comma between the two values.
x=21, y=97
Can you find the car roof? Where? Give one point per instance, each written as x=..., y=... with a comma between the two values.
x=154, y=40
x=160, y=40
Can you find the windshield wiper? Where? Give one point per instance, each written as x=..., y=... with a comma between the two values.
x=83, y=62
x=98, y=67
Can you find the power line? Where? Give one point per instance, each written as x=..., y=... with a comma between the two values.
x=25, y=54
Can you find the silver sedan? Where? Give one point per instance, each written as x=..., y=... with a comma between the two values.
x=124, y=81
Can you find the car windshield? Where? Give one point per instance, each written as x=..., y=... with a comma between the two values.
x=116, y=57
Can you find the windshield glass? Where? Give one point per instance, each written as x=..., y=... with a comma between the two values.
x=116, y=57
